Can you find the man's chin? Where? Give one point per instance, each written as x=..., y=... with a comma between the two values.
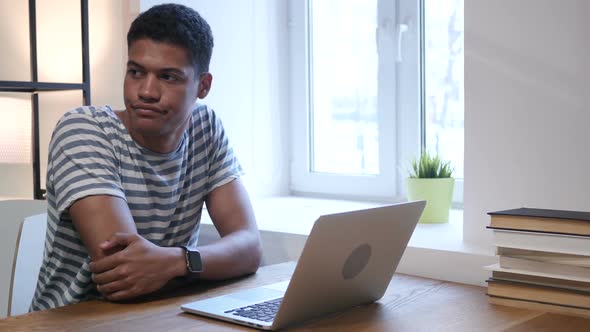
x=148, y=123
x=149, y=131
x=146, y=128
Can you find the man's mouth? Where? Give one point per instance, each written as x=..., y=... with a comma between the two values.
x=146, y=110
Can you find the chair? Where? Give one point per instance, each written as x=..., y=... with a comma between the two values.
x=22, y=225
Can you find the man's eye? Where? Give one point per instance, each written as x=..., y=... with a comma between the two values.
x=134, y=72
x=170, y=78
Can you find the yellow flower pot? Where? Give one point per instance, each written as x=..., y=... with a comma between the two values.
x=437, y=192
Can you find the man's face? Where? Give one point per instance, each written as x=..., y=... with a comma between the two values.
x=160, y=88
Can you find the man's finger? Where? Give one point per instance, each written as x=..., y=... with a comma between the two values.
x=113, y=287
x=117, y=239
x=121, y=295
x=107, y=263
x=107, y=276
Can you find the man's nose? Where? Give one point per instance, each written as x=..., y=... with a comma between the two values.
x=149, y=89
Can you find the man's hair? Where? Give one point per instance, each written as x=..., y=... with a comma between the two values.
x=178, y=25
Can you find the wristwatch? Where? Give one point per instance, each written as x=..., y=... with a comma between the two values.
x=193, y=260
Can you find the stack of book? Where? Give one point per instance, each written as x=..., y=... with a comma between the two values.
x=544, y=260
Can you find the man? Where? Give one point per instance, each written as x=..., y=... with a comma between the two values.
x=125, y=189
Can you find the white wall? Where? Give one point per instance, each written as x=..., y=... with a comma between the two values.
x=526, y=108
x=250, y=84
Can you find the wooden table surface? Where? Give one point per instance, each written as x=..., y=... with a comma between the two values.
x=410, y=304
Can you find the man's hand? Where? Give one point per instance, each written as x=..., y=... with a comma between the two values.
x=141, y=267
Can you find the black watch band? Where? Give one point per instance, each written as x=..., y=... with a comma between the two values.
x=194, y=264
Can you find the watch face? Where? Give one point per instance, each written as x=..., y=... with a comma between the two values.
x=194, y=261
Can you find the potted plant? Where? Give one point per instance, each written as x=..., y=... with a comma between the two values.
x=430, y=179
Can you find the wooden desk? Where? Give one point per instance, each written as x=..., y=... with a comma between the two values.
x=410, y=304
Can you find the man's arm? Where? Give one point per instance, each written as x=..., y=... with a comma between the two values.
x=97, y=218
x=134, y=265
x=142, y=267
x=239, y=250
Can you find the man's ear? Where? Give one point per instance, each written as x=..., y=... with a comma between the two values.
x=205, y=81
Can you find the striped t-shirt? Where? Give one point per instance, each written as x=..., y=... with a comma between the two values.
x=92, y=153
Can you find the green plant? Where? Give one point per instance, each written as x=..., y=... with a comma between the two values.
x=430, y=166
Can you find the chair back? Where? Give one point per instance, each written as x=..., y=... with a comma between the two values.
x=12, y=215
x=27, y=262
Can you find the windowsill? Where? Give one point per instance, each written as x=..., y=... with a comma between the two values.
x=296, y=215
x=445, y=236
x=435, y=250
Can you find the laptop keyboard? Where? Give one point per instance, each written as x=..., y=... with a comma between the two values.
x=264, y=311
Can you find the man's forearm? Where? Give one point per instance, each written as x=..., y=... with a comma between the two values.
x=161, y=268
x=231, y=256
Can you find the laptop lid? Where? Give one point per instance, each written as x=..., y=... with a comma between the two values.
x=348, y=260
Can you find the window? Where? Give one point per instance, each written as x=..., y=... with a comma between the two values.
x=343, y=72
x=356, y=96
x=443, y=83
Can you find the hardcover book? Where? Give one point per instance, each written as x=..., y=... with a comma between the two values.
x=508, y=262
x=542, y=220
x=542, y=294
x=545, y=256
x=541, y=280
x=497, y=268
x=540, y=306
x=548, y=242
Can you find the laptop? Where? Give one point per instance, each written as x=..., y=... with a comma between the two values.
x=348, y=260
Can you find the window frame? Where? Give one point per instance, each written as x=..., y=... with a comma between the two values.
x=400, y=129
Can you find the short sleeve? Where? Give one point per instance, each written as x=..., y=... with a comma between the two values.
x=81, y=161
x=223, y=164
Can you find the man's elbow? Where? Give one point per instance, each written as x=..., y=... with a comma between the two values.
x=255, y=255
